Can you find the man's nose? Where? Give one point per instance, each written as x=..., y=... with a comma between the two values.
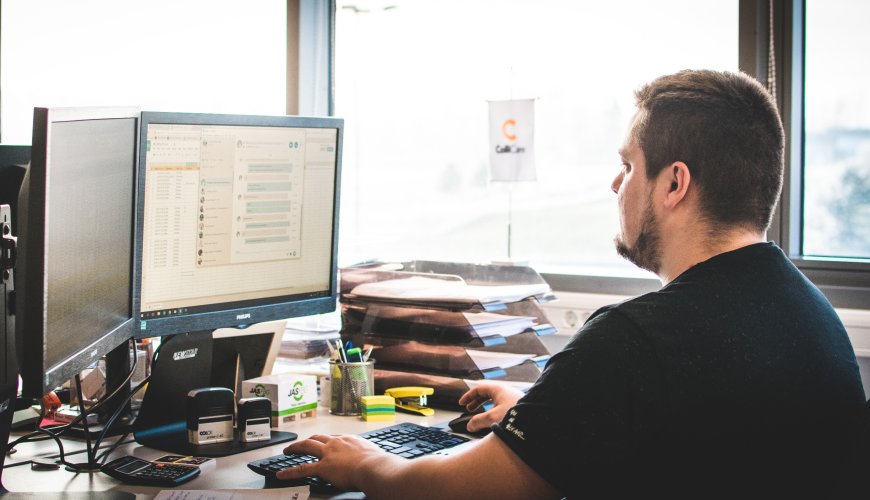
x=617, y=181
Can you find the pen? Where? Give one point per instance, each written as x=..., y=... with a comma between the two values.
x=368, y=353
x=340, y=349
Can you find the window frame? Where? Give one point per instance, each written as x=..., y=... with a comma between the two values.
x=846, y=283
x=310, y=57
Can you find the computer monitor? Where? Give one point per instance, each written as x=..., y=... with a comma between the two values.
x=239, y=220
x=74, y=266
x=13, y=164
x=238, y=224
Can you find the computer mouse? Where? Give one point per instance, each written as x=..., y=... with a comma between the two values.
x=459, y=424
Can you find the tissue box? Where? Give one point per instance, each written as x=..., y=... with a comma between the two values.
x=293, y=396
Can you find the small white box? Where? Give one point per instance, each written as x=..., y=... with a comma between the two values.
x=293, y=396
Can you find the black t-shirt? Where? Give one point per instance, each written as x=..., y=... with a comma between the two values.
x=737, y=378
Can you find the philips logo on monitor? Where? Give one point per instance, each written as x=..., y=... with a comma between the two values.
x=243, y=316
x=188, y=354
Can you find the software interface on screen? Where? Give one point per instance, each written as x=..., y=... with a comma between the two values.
x=235, y=213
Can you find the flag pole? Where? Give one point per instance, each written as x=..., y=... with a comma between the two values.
x=510, y=184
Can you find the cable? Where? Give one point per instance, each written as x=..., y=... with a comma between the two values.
x=93, y=455
x=771, y=53
x=56, y=432
x=59, y=430
x=103, y=456
x=114, y=417
x=102, y=401
x=120, y=407
x=62, y=457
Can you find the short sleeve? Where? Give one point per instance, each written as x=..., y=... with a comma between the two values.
x=594, y=402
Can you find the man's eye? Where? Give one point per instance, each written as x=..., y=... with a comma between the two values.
x=626, y=167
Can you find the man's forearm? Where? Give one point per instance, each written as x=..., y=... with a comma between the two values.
x=389, y=476
x=482, y=469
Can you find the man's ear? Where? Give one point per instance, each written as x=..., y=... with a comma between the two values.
x=678, y=178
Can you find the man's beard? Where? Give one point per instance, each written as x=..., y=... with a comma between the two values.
x=646, y=252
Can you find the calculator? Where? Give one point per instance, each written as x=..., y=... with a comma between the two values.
x=137, y=471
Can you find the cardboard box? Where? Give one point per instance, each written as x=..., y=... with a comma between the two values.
x=293, y=396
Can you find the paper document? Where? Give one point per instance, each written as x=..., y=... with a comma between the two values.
x=486, y=324
x=523, y=386
x=486, y=360
x=290, y=493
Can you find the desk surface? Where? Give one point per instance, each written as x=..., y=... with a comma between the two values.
x=230, y=472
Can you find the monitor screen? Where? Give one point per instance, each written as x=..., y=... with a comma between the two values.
x=239, y=219
x=75, y=261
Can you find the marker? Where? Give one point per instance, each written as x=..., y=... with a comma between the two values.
x=354, y=355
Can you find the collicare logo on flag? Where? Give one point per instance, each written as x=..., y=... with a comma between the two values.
x=512, y=140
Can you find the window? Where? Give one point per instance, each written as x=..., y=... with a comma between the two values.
x=412, y=81
x=219, y=56
x=413, y=78
x=836, y=198
x=821, y=79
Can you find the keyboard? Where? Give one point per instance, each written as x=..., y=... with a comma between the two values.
x=405, y=440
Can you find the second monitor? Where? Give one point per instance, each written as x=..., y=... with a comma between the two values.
x=237, y=223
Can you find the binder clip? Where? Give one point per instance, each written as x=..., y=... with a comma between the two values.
x=412, y=399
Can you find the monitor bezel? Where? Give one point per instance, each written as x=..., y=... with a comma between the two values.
x=232, y=314
x=38, y=378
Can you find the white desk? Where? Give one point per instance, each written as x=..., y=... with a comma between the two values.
x=231, y=472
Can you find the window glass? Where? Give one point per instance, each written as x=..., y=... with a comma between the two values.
x=223, y=56
x=837, y=135
x=413, y=78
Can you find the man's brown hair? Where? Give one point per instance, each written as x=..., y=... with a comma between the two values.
x=725, y=127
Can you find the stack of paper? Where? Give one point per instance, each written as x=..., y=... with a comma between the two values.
x=441, y=323
x=435, y=291
x=438, y=325
x=307, y=337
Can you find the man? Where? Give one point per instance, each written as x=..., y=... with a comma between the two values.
x=735, y=379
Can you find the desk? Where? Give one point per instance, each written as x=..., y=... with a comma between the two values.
x=230, y=472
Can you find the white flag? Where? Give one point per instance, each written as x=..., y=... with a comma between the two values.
x=512, y=140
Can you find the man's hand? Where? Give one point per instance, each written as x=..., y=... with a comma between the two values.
x=340, y=459
x=487, y=468
x=503, y=399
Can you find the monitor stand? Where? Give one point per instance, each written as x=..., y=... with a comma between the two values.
x=185, y=363
x=175, y=441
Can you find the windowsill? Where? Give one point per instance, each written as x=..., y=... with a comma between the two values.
x=570, y=310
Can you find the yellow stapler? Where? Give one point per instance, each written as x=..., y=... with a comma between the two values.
x=412, y=399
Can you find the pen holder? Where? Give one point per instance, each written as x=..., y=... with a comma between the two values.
x=350, y=382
